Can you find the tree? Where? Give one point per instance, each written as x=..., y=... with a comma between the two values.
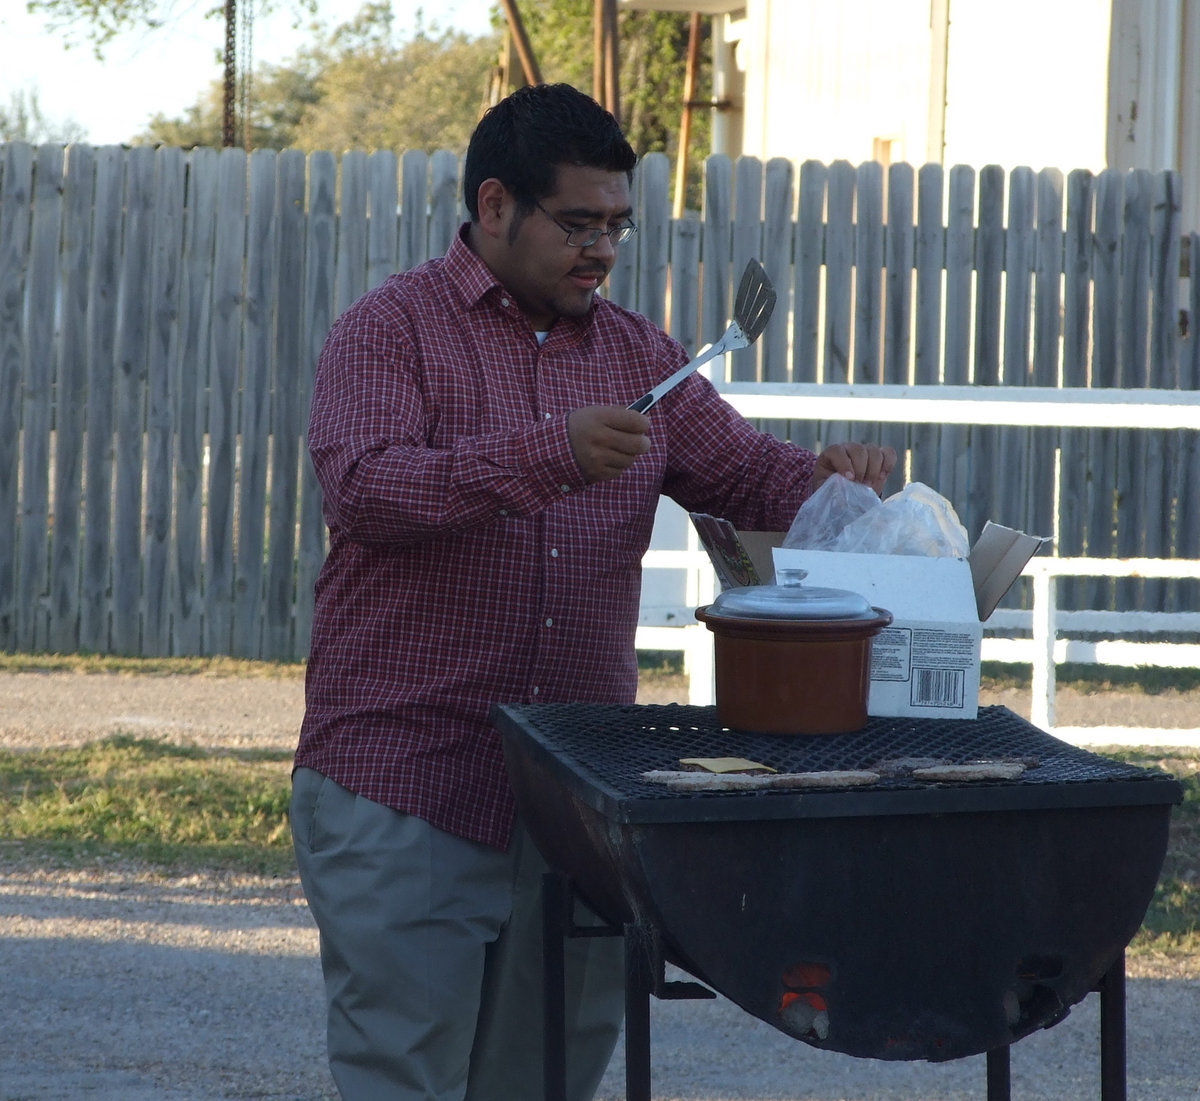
x=359, y=86
x=100, y=21
x=653, y=59
x=23, y=120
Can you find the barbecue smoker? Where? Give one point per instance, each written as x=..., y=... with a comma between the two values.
x=906, y=919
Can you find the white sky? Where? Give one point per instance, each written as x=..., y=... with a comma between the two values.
x=150, y=72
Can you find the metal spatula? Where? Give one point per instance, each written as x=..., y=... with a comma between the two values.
x=751, y=311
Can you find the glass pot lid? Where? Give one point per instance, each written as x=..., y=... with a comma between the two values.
x=790, y=598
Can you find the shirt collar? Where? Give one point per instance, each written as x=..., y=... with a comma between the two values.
x=473, y=279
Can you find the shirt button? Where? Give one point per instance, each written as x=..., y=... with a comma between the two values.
x=554, y=552
x=504, y=302
x=549, y=623
x=504, y=512
x=565, y=488
x=536, y=689
x=546, y=415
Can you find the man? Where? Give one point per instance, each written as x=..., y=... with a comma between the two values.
x=489, y=498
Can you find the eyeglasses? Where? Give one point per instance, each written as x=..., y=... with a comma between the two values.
x=586, y=236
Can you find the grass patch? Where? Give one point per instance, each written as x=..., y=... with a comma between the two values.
x=667, y=663
x=177, y=808
x=1172, y=924
x=1148, y=679
x=148, y=667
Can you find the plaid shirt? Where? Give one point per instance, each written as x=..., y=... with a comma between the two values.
x=469, y=562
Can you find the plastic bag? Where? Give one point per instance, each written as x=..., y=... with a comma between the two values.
x=847, y=516
x=824, y=516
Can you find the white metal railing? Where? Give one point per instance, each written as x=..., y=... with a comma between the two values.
x=1029, y=406
x=1043, y=650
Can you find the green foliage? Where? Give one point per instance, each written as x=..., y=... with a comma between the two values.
x=653, y=60
x=368, y=85
x=100, y=21
x=361, y=85
x=1173, y=921
x=142, y=799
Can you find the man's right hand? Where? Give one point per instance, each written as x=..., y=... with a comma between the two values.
x=607, y=439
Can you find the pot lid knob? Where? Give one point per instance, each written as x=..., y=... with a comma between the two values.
x=790, y=598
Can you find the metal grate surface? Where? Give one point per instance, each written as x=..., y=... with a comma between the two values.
x=601, y=752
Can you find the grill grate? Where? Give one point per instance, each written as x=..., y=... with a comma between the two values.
x=601, y=751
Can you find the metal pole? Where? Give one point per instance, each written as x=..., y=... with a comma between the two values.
x=554, y=1027
x=685, y=121
x=529, y=65
x=999, y=1077
x=637, y=1016
x=228, y=138
x=1112, y=1032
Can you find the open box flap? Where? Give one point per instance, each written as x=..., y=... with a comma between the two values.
x=739, y=557
x=997, y=559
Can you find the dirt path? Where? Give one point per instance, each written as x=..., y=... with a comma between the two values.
x=71, y=708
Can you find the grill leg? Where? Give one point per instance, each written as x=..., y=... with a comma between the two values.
x=638, y=985
x=555, y=900
x=999, y=1083
x=1112, y=1032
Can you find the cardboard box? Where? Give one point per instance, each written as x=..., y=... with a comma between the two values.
x=926, y=663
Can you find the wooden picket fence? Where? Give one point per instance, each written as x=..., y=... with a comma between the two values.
x=161, y=313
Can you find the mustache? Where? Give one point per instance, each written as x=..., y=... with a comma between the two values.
x=592, y=269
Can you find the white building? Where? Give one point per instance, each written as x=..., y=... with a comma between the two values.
x=1066, y=84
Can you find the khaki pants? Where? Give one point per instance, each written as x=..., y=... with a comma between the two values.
x=431, y=948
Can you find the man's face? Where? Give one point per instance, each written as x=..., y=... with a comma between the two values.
x=549, y=278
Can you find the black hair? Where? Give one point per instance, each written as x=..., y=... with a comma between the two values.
x=523, y=139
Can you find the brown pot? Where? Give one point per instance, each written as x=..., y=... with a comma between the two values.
x=791, y=659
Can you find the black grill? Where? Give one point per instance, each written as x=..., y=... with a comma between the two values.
x=945, y=919
x=602, y=752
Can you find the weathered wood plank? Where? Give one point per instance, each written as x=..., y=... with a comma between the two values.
x=162, y=381
x=1011, y=474
x=223, y=405
x=927, y=340
x=319, y=317
x=747, y=246
x=898, y=292
x=715, y=248
x=94, y=634
x=71, y=399
x=1132, y=506
x=776, y=259
x=1162, y=465
x=289, y=366
x=258, y=332
x=810, y=256
x=195, y=339
x=414, y=203
x=350, y=276
x=129, y=395
x=1077, y=490
x=652, y=244
x=981, y=503
x=383, y=196
x=686, y=233
x=40, y=370
x=16, y=201
x=445, y=202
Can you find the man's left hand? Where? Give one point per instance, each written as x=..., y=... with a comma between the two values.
x=859, y=462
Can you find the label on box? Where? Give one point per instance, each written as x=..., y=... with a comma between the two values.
x=927, y=662
x=935, y=664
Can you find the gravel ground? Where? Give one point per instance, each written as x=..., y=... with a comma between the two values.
x=120, y=986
